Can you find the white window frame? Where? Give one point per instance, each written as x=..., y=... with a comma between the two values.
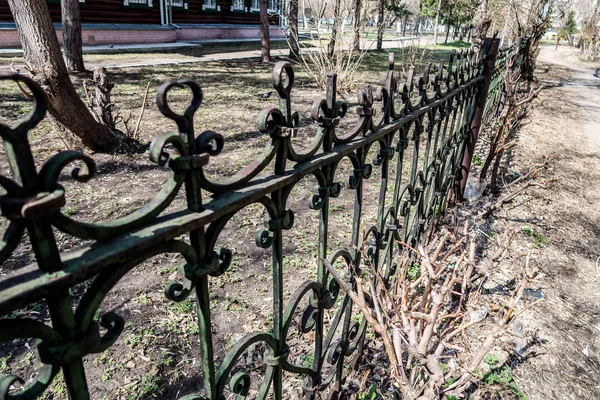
x=240, y=6
x=211, y=6
x=254, y=6
x=137, y=2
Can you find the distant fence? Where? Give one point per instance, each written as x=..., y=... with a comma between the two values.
x=433, y=117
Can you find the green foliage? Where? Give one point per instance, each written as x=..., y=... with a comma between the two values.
x=414, y=272
x=505, y=378
x=490, y=360
x=183, y=307
x=539, y=239
x=4, y=364
x=429, y=7
x=399, y=10
x=307, y=360
x=449, y=382
x=444, y=367
x=148, y=386
x=371, y=394
x=499, y=376
x=452, y=12
x=570, y=26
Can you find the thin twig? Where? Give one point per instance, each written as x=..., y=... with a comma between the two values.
x=135, y=134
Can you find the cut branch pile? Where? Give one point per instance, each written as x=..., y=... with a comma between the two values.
x=422, y=313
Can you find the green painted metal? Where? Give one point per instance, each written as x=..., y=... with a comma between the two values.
x=431, y=113
x=508, y=57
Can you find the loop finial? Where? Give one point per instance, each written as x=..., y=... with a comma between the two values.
x=283, y=79
x=185, y=121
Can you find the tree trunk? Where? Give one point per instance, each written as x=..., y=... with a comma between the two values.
x=569, y=39
x=72, y=42
x=292, y=16
x=356, y=24
x=265, y=43
x=447, y=33
x=335, y=28
x=43, y=58
x=102, y=102
x=437, y=21
x=380, y=25
x=481, y=24
x=404, y=26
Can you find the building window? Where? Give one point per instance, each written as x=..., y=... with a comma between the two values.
x=254, y=6
x=137, y=3
x=210, y=5
x=178, y=4
x=58, y=1
x=238, y=5
x=272, y=6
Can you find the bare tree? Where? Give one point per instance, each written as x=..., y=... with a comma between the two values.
x=264, y=32
x=590, y=41
x=481, y=24
x=335, y=29
x=356, y=24
x=71, y=22
x=44, y=61
x=437, y=21
x=292, y=17
x=533, y=20
x=380, y=24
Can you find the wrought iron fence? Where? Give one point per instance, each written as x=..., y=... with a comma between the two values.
x=507, y=58
x=430, y=115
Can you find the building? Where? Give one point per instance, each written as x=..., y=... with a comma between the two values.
x=155, y=21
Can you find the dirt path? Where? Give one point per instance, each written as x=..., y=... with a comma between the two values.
x=560, y=228
x=114, y=59
x=582, y=87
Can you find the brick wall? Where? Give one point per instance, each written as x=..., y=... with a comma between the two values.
x=91, y=37
x=9, y=38
x=223, y=33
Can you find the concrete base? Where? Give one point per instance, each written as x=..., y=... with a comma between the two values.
x=113, y=34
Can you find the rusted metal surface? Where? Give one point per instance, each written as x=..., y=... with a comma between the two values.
x=489, y=51
x=433, y=111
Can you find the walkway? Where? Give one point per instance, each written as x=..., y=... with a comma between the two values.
x=563, y=131
x=582, y=86
x=141, y=55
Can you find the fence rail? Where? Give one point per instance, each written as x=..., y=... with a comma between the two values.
x=429, y=116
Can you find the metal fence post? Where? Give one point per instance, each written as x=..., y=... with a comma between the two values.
x=489, y=61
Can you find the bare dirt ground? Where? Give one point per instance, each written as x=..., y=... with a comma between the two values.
x=555, y=349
